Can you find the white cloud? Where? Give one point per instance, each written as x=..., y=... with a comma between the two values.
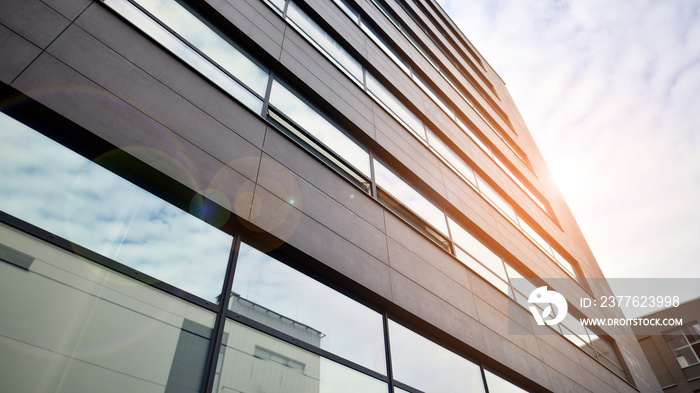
x=609, y=91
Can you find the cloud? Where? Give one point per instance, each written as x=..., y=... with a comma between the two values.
x=609, y=91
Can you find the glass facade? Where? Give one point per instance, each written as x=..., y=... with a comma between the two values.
x=87, y=327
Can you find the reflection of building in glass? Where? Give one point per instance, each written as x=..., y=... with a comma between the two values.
x=674, y=353
x=348, y=167
x=277, y=321
x=260, y=363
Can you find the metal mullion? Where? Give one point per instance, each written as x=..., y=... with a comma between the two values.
x=407, y=388
x=373, y=181
x=387, y=351
x=268, y=90
x=483, y=378
x=218, y=332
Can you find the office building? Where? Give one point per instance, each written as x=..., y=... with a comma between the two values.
x=674, y=352
x=278, y=196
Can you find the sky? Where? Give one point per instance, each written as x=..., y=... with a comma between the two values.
x=610, y=91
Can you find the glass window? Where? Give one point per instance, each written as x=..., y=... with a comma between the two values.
x=496, y=198
x=210, y=41
x=324, y=41
x=409, y=197
x=479, y=269
x=348, y=9
x=536, y=238
x=279, y=4
x=299, y=111
x=472, y=135
x=684, y=344
x=424, y=365
x=563, y=262
x=70, y=325
x=521, y=286
x=395, y=106
x=431, y=93
x=448, y=154
x=685, y=357
x=497, y=384
x=477, y=249
x=675, y=339
x=692, y=332
x=214, y=46
x=384, y=46
x=605, y=347
x=273, y=293
x=58, y=190
x=252, y=361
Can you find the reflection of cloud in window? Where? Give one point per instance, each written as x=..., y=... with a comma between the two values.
x=61, y=192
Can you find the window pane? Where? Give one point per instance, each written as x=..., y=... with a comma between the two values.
x=275, y=294
x=210, y=41
x=429, y=367
x=325, y=41
x=573, y=325
x=409, y=197
x=189, y=56
x=451, y=157
x=477, y=249
x=496, y=198
x=500, y=385
x=349, y=11
x=605, y=348
x=318, y=126
x=563, y=262
x=431, y=93
x=479, y=269
x=251, y=361
x=384, y=46
x=279, y=4
x=692, y=332
x=675, y=339
x=70, y=325
x=473, y=136
x=58, y=190
x=395, y=106
x=685, y=357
